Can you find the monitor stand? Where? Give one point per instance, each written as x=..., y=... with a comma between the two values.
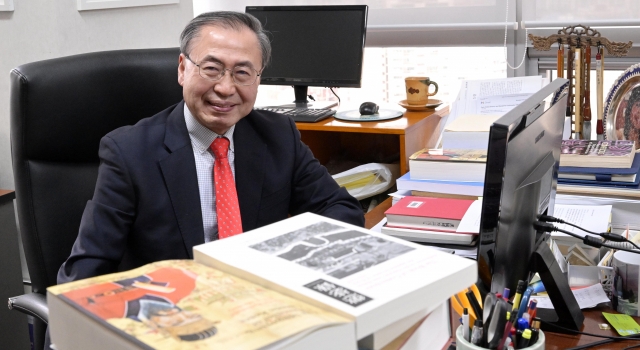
x=301, y=93
x=567, y=313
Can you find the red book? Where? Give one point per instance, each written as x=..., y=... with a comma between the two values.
x=440, y=214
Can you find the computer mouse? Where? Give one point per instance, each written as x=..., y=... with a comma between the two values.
x=368, y=108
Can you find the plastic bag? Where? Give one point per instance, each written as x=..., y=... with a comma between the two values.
x=368, y=180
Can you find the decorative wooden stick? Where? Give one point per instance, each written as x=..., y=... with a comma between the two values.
x=579, y=73
x=560, y=60
x=599, y=91
x=586, y=107
x=570, y=58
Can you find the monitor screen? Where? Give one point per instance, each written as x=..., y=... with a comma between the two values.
x=314, y=45
x=520, y=183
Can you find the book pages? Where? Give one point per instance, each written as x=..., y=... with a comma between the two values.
x=372, y=278
x=181, y=304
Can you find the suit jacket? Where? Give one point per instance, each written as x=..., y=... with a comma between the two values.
x=146, y=205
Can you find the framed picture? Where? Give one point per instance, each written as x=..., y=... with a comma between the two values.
x=622, y=107
x=84, y=5
x=6, y=5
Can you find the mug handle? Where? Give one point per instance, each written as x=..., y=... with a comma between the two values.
x=432, y=93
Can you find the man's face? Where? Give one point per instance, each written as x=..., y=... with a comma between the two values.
x=220, y=104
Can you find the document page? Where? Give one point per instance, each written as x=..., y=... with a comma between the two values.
x=494, y=96
x=592, y=217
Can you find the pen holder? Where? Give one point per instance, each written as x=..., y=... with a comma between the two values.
x=462, y=344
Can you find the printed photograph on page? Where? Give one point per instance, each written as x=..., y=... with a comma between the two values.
x=335, y=250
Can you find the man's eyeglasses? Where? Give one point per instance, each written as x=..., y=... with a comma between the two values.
x=214, y=71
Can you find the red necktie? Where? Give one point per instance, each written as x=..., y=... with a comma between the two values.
x=227, y=207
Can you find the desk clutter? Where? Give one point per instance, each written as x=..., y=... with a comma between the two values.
x=497, y=322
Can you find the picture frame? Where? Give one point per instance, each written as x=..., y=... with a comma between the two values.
x=622, y=107
x=6, y=5
x=85, y=5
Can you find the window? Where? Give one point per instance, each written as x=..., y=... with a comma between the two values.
x=384, y=71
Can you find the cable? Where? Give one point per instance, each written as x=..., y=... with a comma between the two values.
x=614, y=338
x=338, y=97
x=588, y=240
x=606, y=235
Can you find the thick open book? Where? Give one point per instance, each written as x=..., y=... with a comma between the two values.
x=307, y=282
x=372, y=279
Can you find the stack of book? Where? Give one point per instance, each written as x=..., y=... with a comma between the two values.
x=455, y=172
x=431, y=220
x=599, y=163
x=307, y=282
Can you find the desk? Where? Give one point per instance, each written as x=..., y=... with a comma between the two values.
x=373, y=142
x=555, y=341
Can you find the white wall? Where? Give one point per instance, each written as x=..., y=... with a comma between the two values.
x=43, y=29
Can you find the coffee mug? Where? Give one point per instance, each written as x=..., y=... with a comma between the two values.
x=418, y=90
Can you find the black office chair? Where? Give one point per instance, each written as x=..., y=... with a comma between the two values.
x=60, y=109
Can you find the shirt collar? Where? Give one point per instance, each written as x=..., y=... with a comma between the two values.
x=201, y=136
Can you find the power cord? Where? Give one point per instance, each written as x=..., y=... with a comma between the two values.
x=588, y=240
x=608, y=338
x=336, y=95
x=614, y=237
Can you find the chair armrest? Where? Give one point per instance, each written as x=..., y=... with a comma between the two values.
x=33, y=304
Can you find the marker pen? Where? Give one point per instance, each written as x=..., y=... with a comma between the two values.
x=516, y=298
x=476, y=334
x=524, y=340
x=505, y=293
x=465, y=324
x=535, y=331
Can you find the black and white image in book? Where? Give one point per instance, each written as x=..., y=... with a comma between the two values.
x=335, y=250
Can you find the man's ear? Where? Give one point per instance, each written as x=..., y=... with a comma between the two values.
x=181, y=68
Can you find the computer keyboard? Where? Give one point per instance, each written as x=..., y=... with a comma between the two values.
x=305, y=115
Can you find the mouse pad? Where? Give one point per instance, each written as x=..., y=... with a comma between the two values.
x=355, y=116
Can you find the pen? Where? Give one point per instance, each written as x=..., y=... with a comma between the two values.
x=533, y=308
x=524, y=340
x=465, y=324
x=507, y=329
x=535, y=331
x=475, y=305
x=519, y=291
x=476, y=334
x=505, y=293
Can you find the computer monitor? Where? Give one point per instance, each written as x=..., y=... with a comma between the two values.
x=313, y=46
x=520, y=184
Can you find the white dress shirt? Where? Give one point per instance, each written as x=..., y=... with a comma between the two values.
x=201, y=139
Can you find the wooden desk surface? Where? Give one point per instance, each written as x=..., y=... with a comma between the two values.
x=554, y=341
x=397, y=126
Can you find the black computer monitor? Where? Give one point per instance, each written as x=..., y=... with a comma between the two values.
x=313, y=46
x=520, y=184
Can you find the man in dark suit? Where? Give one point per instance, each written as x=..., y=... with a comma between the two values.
x=156, y=198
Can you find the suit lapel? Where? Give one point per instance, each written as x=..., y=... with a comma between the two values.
x=181, y=179
x=250, y=151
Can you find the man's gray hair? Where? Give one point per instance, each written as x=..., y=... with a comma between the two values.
x=226, y=19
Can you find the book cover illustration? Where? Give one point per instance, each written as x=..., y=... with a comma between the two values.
x=181, y=304
x=332, y=249
x=608, y=148
x=453, y=155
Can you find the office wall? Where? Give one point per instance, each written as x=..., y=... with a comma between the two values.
x=43, y=29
